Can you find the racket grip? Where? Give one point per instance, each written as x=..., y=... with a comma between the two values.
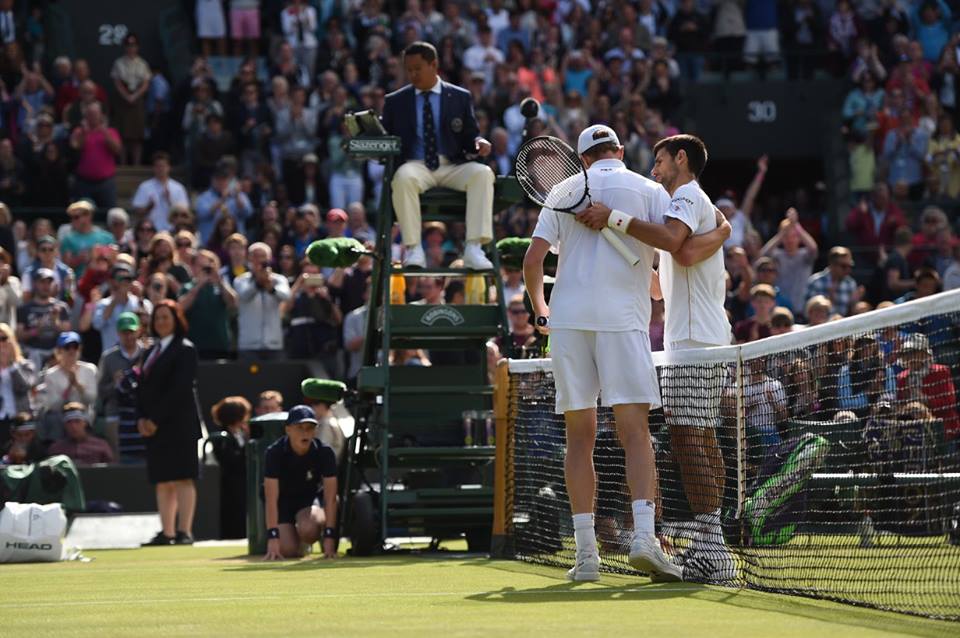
x=620, y=247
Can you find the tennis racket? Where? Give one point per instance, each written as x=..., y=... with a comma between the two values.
x=553, y=176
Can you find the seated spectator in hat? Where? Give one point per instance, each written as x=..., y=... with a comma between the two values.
x=23, y=447
x=781, y=321
x=68, y=380
x=119, y=408
x=41, y=319
x=83, y=236
x=222, y=198
x=79, y=444
x=121, y=300
x=315, y=321
x=521, y=328
x=48, y=256
x=762, y=301
x=269, y=402
x=207, y=302
x=336, y=223
x=929, y=383
x=300, y=489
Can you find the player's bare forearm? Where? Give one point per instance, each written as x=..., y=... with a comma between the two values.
x=668, y=236
x=533, y=275
x=696, y=248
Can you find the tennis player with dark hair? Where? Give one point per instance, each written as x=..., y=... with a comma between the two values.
x=439, y=137
x=598, y=319
x=694, y=291
x=299, y=473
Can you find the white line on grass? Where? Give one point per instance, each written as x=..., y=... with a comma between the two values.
x=209, y=599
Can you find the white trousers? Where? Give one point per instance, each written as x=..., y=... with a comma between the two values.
x=414, y=178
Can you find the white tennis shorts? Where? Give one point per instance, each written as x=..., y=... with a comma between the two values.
x=692, y=393
x=616, y=367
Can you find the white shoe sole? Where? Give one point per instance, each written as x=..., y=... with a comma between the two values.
x=582, y=576
x=658, y=573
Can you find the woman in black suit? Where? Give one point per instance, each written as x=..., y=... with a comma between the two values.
x=170, y=422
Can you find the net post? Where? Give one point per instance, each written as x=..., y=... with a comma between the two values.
x=502, y=468
x=741, y=436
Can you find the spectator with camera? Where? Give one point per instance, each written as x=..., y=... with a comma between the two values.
x=78, y=443
x=207, y=301
x=121, y=300
x=222, y=198
x=259, y=295
x=315, y=321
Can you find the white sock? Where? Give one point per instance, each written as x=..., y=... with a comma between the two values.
x=708, y=527
x=583, y=533
x=643, y=513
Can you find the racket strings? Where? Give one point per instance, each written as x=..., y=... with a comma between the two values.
x=551, y=174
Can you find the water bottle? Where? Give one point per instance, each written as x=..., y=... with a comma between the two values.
x=468, y=439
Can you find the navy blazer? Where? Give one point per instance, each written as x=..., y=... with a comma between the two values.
x=457, y=124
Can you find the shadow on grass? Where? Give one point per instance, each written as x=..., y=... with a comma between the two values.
x=315, y=561
x=626, y=587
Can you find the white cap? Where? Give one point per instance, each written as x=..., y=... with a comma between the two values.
x=596, y=134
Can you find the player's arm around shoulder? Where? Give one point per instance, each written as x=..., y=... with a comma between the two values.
x=697, y=248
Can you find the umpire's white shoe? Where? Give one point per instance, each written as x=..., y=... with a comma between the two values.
x=474, y=259
x=647, y=556
x=414, y=257
x=586, y=569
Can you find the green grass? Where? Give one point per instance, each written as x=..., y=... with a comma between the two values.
x=194, y=591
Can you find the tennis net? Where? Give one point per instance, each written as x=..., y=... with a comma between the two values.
x=830, y=452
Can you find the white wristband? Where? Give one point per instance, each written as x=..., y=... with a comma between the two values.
x=619, y=221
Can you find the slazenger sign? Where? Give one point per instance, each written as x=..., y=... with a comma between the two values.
x=442, y=313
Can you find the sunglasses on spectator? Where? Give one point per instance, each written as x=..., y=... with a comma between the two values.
x=518, y=311
x=157, y=287
x=71, y=346
x=3, y=338
x=78, y=215
x=47, y=249
x=184, y=244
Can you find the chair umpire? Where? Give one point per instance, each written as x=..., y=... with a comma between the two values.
x=438, y=132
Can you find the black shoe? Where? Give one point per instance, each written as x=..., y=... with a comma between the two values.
x=160, y=539
x=183, y=539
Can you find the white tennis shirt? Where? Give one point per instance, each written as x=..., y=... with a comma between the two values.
x=694, y=297
x=596, y=289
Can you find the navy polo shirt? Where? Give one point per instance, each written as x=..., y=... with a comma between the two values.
x=301, y=477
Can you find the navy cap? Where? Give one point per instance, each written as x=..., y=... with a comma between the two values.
x=301, y=414
x=67, y=338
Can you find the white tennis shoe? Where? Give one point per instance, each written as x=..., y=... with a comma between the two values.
x=647, y=556
x=586, y=568
x=415, y=257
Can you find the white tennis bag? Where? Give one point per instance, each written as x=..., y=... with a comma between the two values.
x=32, y=533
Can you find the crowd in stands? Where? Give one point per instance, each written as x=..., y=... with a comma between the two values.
x=249, y=171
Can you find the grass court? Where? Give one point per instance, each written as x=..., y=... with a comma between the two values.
x=212, y=591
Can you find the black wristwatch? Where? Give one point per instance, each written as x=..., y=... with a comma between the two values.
x=543, y=322
x=273, y=532
x=329, y=532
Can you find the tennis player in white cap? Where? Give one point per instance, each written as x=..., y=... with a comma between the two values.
x=598, y=319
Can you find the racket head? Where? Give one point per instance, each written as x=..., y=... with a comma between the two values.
x=551, y=174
